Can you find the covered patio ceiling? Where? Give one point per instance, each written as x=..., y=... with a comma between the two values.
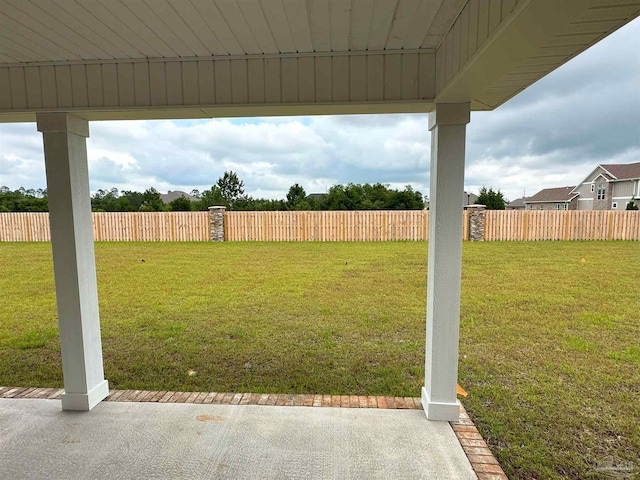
x=118, y=59
x=64, y=63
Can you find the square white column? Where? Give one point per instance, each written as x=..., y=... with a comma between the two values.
x=444, y=265
x=65, y=153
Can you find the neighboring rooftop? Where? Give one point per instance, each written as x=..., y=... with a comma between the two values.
x=518, y=202
x=559, y=194
x=623, y=171
x=316, y=196
x=469, y=198
x=170, y=196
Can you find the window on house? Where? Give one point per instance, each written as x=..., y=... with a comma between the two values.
x=601, y=191
x=558, y=206
x=614, y=205
x=541, y=207
x=593, y=187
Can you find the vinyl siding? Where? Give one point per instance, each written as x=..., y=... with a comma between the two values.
x=623, y=189
x=585, y=204
x=347, y=78
x=584, y=190
x=573, y=205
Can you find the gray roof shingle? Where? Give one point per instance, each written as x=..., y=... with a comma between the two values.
x=623, y=171
x=518, y=202
x=559, y=194
x=170, y=196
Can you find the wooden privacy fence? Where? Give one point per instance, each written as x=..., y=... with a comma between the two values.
x=365, y=226
x=113, y=226
x=327, y=226
x=24, y=227
x=562, y=225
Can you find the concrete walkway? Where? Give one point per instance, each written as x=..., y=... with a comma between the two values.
x=154, y=440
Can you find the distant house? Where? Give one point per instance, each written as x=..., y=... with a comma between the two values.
x=469, y=198
x=609, y=187
x=517, y=204
x=316, y=196
x=561, y=198
x=171, y=196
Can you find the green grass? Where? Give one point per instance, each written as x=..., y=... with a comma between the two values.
x=549, y=349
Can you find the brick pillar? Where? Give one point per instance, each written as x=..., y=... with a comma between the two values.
x=476, y=222
x=216, y=223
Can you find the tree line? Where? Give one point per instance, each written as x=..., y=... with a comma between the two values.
x=229, y=191
x=23, y=200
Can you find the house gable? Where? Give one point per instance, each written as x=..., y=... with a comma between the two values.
x=611, y=173
x=592, y=177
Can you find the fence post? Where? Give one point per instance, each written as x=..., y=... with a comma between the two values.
x=216, y=223
x=476, y=222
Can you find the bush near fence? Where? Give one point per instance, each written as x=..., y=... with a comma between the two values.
x=349, y=226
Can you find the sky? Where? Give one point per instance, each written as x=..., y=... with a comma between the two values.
x=553, y=134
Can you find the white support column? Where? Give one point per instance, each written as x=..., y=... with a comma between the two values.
x=65, y=153
x=448, y=126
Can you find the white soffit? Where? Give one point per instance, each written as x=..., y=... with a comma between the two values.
x=112, y=59
x=74, y=30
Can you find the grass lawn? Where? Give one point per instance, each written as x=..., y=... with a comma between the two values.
x=549, y=348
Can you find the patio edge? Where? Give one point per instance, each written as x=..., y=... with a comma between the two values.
x=482, y=461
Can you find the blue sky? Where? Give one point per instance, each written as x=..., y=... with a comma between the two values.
x=553, y=134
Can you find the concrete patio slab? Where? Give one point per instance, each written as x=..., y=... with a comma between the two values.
x=150, y=440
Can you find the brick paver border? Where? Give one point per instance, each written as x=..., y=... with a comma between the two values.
x=482, y=460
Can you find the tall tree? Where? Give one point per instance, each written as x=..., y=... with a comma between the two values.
x=210, y=198
x=295, y=196
x=231, y=187
x=152, y=202
x=104, y=200
x=131, y=200
x=492, y=199
x=180, y=204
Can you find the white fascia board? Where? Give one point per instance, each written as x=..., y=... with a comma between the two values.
x=601, y=175
x=550, y=201
x=618, y=180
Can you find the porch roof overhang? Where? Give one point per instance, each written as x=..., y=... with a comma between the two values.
x=142, y=59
